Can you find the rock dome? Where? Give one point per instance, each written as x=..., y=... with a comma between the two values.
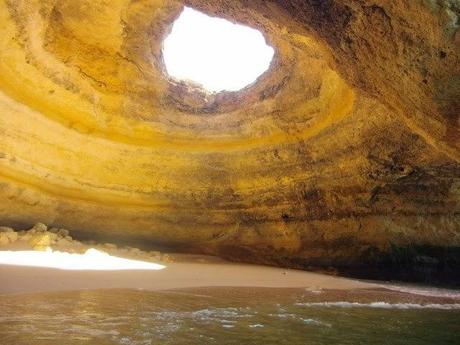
x=344, y=153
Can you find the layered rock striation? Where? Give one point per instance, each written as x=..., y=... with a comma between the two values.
x=345, y=153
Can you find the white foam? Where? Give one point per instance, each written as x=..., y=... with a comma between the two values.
x=315, y=322
x=424, y=291
x=298, y=318
x=257, y=325
x=381, y=305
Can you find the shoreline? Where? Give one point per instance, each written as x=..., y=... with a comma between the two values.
x=177, y=275
x=21, y=275
x=181, y=270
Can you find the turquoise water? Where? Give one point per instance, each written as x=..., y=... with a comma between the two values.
x=227, y=316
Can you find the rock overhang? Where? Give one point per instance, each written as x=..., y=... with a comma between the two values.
x=301, y=164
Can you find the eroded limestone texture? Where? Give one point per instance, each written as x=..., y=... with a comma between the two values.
x=345, y=150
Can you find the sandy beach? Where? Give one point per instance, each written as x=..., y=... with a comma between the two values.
x=180, y=270
x=23, y=279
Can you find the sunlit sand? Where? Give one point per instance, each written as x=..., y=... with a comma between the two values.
x=92, y=259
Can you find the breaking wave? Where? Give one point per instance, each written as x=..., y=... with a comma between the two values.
x=382, y=305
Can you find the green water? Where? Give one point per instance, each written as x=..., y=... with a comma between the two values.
x=224, y=316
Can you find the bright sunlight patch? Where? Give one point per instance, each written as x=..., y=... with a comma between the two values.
x=92, y=259
x=214, y=52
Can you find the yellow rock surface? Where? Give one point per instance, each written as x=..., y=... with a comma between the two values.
x=348, y=145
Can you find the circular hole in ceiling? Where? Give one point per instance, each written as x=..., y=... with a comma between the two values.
x=215, y=53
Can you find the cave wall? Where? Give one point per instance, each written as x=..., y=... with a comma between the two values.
x=347, y=148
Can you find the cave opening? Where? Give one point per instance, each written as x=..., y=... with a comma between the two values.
x=215, y=53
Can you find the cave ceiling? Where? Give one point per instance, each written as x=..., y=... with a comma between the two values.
x=348, y=144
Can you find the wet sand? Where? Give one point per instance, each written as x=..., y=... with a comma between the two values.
x=177, y=275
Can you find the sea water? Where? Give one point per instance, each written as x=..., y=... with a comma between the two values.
x=228, y=316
